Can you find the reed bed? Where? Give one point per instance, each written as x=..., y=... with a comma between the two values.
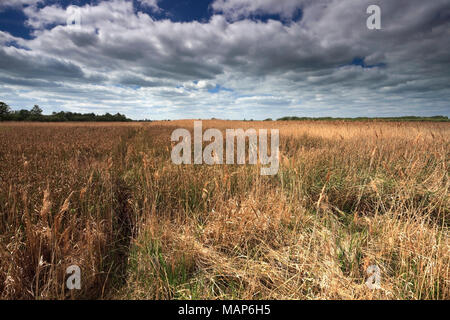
x=107, y=197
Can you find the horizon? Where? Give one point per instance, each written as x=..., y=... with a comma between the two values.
x=284, y=118
x=233, y=59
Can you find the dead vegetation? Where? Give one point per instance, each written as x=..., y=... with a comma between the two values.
x=107, y=197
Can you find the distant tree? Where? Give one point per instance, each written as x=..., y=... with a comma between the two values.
x=22, y=115
x=35, y=114
x=5, y=110
x=36, y=110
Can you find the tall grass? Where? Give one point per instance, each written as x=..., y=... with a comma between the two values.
x=108, y=198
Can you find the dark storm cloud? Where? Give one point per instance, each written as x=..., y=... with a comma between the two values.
x=28, y=83
x=133, y=80
x=25, y=64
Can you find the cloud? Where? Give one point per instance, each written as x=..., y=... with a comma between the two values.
x=26, y=64
x=152, y=4
x=47, y=16
x=235, y=9
x=124, y=60
x=17, y=3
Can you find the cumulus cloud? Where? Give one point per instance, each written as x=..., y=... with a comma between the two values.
x=17, y=3
x=328, y=63
x=152, y=4
x=236, y=9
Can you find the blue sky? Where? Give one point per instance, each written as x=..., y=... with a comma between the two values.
x=229, y=59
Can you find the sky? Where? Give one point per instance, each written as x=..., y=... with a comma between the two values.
x=228, y=59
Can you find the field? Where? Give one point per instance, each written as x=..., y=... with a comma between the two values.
x=108, y=198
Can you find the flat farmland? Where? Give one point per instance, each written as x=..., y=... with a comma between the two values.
x=106, y=197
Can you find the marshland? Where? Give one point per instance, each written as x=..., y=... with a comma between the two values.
x=107, y=198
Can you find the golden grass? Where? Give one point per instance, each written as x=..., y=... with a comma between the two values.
x=108, y=198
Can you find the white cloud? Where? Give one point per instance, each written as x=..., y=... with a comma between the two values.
x=152, y=4
x=17, y=3
x=49, y=15
x=235, y=9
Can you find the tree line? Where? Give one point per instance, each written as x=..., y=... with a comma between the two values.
x=404, y=118
x=35, y=114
